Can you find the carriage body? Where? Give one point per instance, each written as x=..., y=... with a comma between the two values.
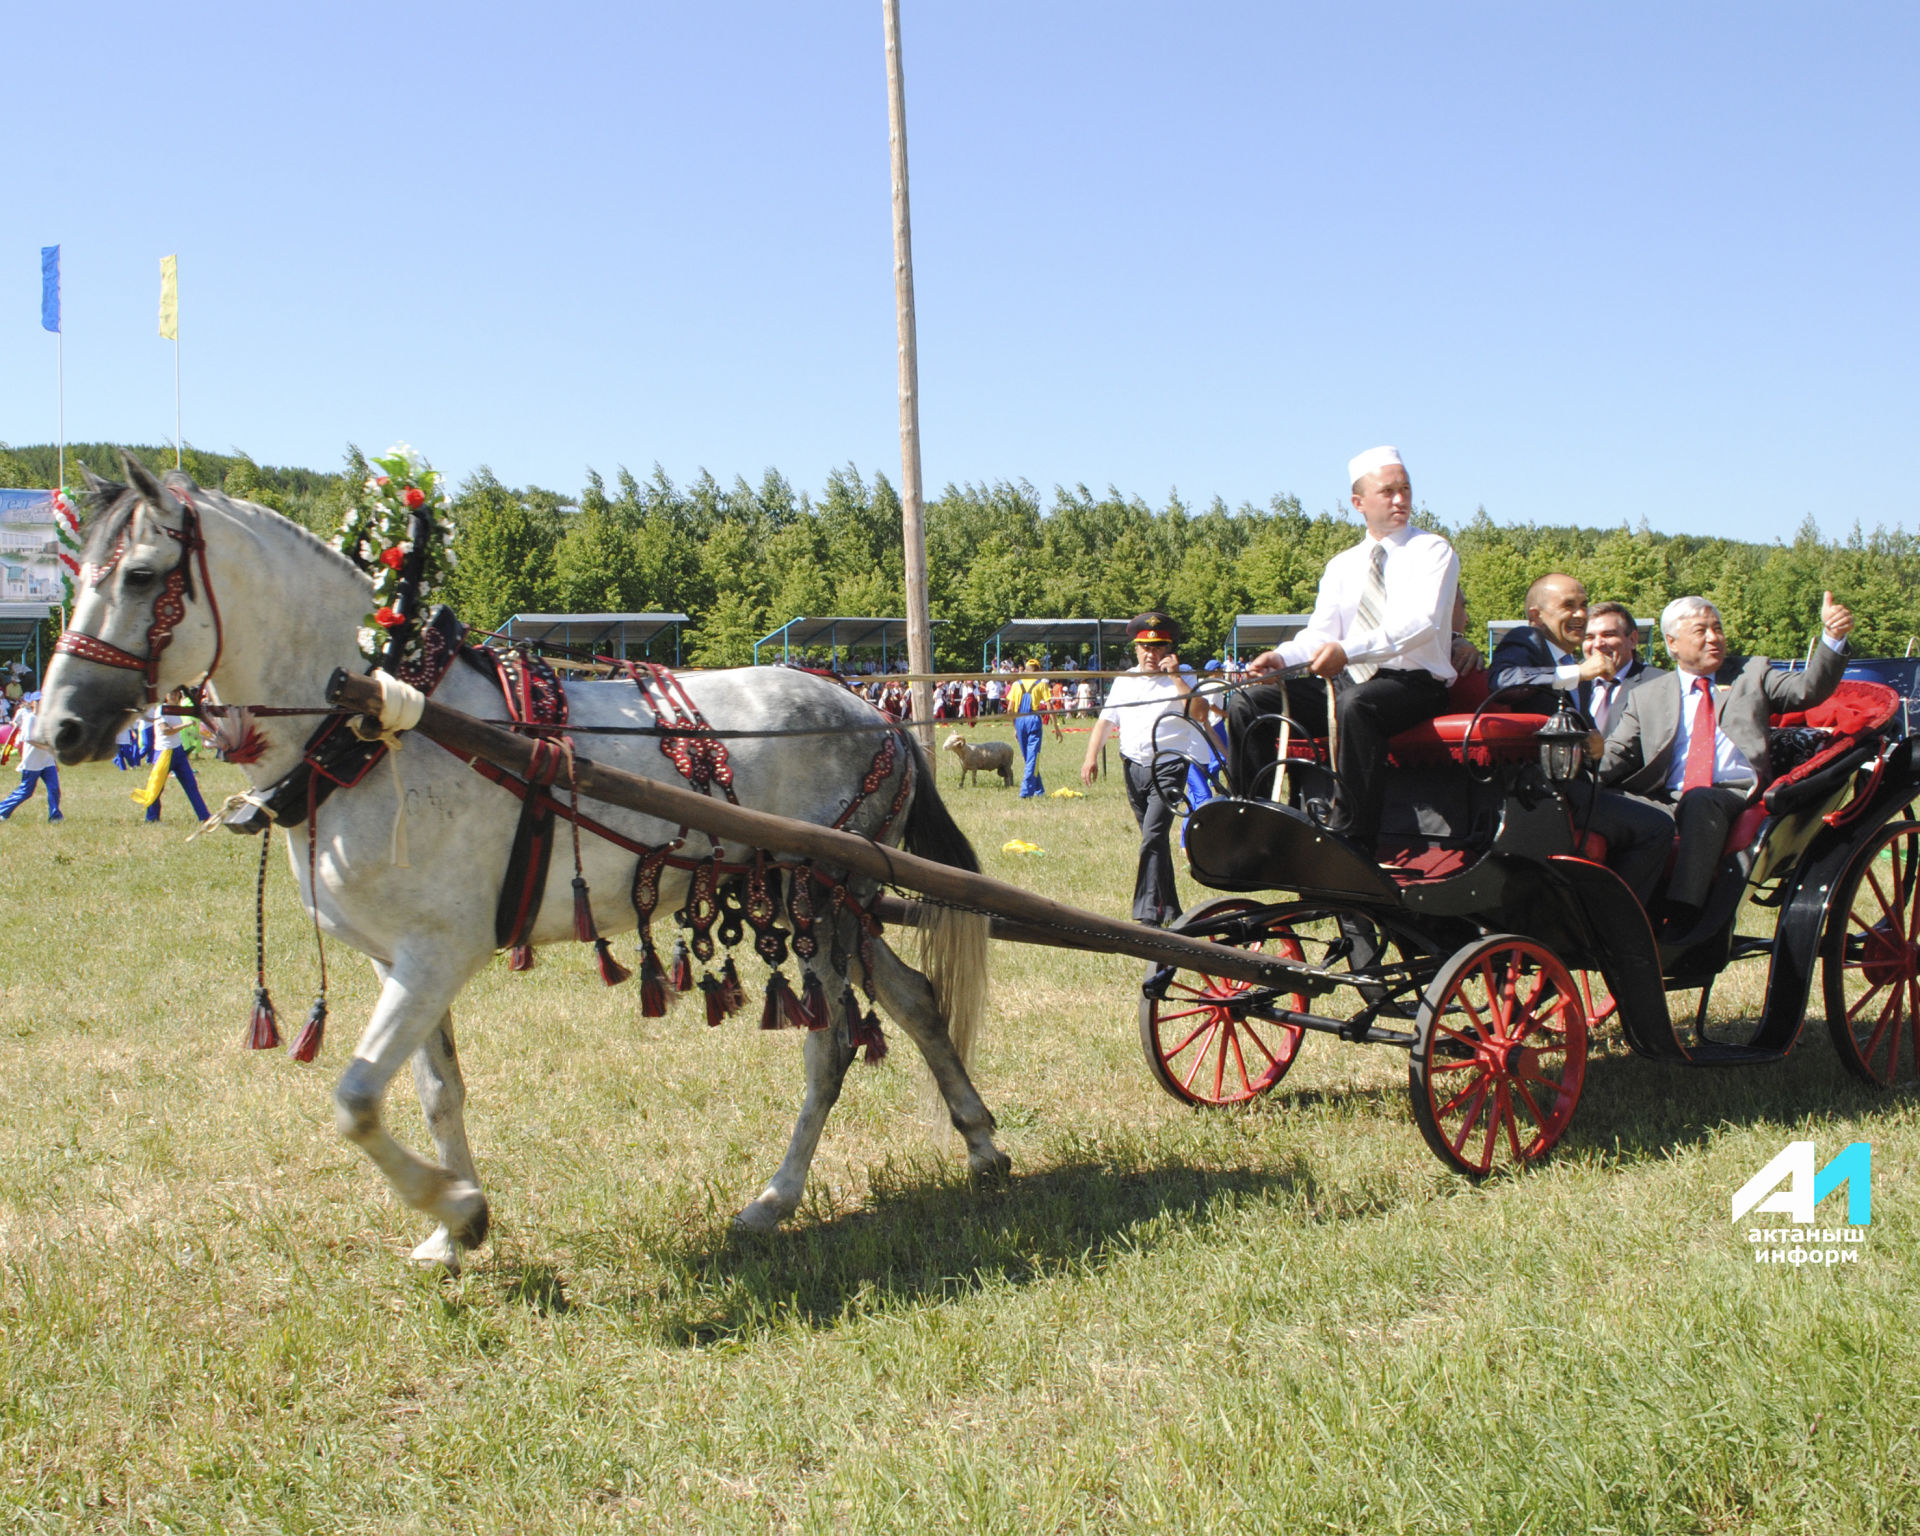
x=1490, y=936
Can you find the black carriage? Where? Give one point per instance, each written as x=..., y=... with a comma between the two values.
x=1490, y=938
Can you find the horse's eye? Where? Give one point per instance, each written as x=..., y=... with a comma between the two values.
x=138, y=578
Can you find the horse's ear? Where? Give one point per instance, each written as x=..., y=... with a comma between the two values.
x=101, y=493
x=149, y=490
x=179, y=480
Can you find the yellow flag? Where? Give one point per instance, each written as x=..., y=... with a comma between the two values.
x=169, y=298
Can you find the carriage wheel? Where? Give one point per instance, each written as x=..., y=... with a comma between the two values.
x=1870, y=960
x=1499, y=1053
x=1196, y=1047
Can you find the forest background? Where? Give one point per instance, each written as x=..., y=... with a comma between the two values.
x=742, y=559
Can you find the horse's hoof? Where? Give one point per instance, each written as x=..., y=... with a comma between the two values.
x=439, y=1249
x=763, y=1215
x=466, y=1215
x=992, y=1168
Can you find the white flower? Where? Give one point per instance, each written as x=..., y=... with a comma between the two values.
x=369, y=640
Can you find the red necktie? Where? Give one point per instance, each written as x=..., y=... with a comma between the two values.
x=1700, y=744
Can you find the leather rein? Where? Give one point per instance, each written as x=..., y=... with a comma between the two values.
x=169, y=608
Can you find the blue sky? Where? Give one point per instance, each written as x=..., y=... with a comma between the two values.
x=1583, y=263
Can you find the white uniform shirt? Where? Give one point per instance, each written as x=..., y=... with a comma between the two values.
x=1416, y=633
x=1138, y=700
x=166, y=730
x=33, y=756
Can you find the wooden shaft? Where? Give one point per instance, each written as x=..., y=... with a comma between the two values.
x=1069, y=927
x=912, y=524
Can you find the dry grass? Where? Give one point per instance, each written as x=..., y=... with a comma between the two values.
x=1287, y=1317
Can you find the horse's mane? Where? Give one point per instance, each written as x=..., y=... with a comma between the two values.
x=111, y=505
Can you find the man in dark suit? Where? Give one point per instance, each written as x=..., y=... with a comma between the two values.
x=1546, y=661
x=1612, y=631
x=1696, y=738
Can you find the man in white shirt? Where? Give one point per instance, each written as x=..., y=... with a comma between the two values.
x=37, y=765
x=1382, y=631
x=1696, y=738
x=1160, y=721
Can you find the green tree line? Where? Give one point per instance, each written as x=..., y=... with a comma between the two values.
x=741, y=559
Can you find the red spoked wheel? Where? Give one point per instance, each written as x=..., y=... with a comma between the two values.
x=1200, y=1043
x=1870, y=960
x=1499, y=1054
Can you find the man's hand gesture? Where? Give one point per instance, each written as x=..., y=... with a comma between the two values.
x=1595, y=665
x=1835, y=619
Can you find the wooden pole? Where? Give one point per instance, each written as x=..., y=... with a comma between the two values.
x=1031, y=918
x=912, y=527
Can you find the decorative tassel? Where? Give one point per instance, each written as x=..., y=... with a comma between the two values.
x=850, y=1008
x=612, y=972
x=312, y=1033
x=520, y=958
x=778, y=1009
x=583, y=928
x=681, y=974
x=813, y=1004
x=263, y=1030
x=712, y=992
x=867, y=1032
x=734, y=996
x=653, y=983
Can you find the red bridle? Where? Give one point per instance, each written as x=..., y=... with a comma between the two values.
x=169, y=608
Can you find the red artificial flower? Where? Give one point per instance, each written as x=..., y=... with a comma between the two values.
x=379, y=479
x=388, y=618
x=415, y=498
x=391, y=558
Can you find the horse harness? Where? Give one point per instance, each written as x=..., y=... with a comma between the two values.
x=169, y=608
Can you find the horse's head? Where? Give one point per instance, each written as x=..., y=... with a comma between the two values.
x=142, y=621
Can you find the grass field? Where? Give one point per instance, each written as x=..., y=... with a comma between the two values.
x=1285, y=1318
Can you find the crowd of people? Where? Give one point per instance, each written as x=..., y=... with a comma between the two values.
x=162, y=740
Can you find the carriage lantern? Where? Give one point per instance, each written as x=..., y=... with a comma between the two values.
x=1562, y=742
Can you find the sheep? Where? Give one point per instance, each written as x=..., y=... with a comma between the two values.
x=996, y=755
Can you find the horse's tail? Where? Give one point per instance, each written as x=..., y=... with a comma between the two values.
x=953, y=944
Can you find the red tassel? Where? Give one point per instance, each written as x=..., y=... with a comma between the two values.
x=777, y=1011
x=583, y=928
x=307, y=1046
x=612, y=972
x=813, y=1004
x=520, y=958
x=867, y=1032
x=263, y=1030
x=733, y=995
x=681, y=975
x=713, y=994
x=653, y=983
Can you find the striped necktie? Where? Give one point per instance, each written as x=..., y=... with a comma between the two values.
x=1373, y=607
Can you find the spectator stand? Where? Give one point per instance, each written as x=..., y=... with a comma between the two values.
x=1253, y=633
x=1027, y=636
x=582, y=636
x=20, y=631
x=837, y=633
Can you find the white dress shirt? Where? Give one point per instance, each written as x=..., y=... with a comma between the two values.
x=1416, y=634
x=33, y=756
x=1135, y=706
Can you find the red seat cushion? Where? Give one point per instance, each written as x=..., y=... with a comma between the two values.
x=1745, y=828
x=1853, y=707
x=1496, y=739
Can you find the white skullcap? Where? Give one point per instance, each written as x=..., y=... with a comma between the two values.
x=1370, y=461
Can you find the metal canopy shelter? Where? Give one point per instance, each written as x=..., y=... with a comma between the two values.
x=837, y=633
x=600, y=634
x=20, y=629
x=1258, y=632
x=1029, y=633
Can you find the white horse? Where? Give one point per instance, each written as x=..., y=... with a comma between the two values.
x=269, y=611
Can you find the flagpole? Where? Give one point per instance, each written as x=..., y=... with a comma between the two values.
x=60, y=374
x=176, y=396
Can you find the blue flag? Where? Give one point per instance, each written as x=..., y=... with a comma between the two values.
x=50, y=287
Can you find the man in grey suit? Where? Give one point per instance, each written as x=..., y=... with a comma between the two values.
x=1697, y=738
x=1611, y=632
